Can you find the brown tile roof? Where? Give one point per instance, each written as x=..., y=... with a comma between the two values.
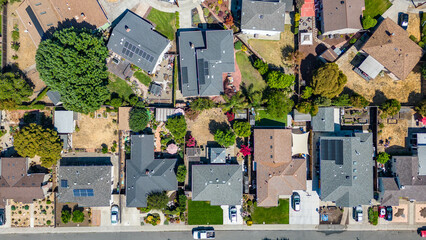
x=277, y=172
x=391, y=46
x=342, y=14
x=16, y=184
x=123, y=118
x=48, y=13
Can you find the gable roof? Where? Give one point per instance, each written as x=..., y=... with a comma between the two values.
x=144, y=174
x=78, y=174
x=64, y=121
x=277, y=172
x=264, y=15
x=391, y=47
x=214, y=55
x=16, y=184
x=342, y=14
x=218, y=183
x=134, y=39
x=347, y=169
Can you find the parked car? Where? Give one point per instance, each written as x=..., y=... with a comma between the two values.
x=203, y=233
x=2, y=216
x=382, y=212
x=357, y=213
x=233, y=214
x=295, y=201
x=114, y=214
x=388, y=213
x=423, y=233
x=403, y=20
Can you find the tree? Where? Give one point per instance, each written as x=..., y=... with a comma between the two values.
x=276, y=79
x=177, y=126
x=133, y=100
x=35, y=140
x=157, y=200
x=368, y=22
x=77, y=216
x=13, y=88
x=390, y=108
x=261, y=66
x=278, y=104
x=138, y=119
x=234, y=103
x=254, y=98
x=116, y=102
x=421, y=108
x=201, y=104
x=328, y=81
x=242, y=129
x=343, y=100
x=307, y=107
x=65, y=216
x=382, y=157
x=181, y=173
x=72, y=62
x=225, y=138
x=359, y=101
x=307, y=92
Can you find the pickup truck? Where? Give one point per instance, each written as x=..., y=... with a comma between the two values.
x=203, y=234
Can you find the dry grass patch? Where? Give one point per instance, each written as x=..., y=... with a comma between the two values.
x=414, y=25
x=203, y=127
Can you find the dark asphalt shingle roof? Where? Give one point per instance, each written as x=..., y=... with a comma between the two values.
x=144, y=174
x=54, y=96
x=204, y=56
x=85, y=173
x=218, y=183
x=134, y=39
x=347, y=169
x=264, y=15
x=324, y=120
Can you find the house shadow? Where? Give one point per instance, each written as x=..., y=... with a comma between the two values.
x=414, y=97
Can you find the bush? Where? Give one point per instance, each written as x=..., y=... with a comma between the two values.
x=278, y=105
x=359, y=101
x=307, y=107
x=373, y=216
x=382, y=157
x=15, y=57
x=353, y=40
x=116, y=102
x=201, y=104
x=177, y=126
x=138, y=119
x=15, y=35
x=296, y=31
x=341, y=101
x=261, y=66
x=13, y=208
x=16, y=46
x=276, y=79
x=307, y=93
x=157, y=200
x=104, y=148
x=77, y=216
x=412, y=37
x=48, y=222
x=421, y=108
x=421, y=44
x=48, y=201
x=238, y=45
x=368, y=22
x=65, y=216
x=181, y=173
x=225, y=138
x=26, y=207
x=242, y=129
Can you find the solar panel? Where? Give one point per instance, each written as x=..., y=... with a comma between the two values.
x=147, y=56
x=76, y=192
x=90, y=193
x=137, y=51
x=151, y=58
x=184, y=75
x=126, y=44
x=64, y=183
x=144, y=54
x=130, y=55
x=206, y=68
x=124, y=50
x=134, y=48
x=83, y=192
x=130, y=46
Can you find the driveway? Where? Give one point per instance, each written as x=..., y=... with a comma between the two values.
x=130, y=216
x=364, y=215
x=226, y=215
x=309, y=206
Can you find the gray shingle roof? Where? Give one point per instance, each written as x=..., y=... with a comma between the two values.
x=347, y=169
x=64, y=121
x=422, y=159
x=264, y=15
x=218, y=183
x=54, y=96
x=85, y=173
x=144, y=174
x=134, y=39
x=301, y=117
x=214, y=55
x=324, y=120
x=217, y=155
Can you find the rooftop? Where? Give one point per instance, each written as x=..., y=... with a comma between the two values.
x=264, y=15
x=64, y=121
x=326, y=119
x=342, y=14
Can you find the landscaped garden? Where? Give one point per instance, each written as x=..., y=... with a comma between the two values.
x=44, y=212
x=375, y=8
x=165, y=23
x=202, y=213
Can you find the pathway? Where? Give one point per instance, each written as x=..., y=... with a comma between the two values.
x=158, y=137
x=185, y=18
x=31, y=215
x=201, y=14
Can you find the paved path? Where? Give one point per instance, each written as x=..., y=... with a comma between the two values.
x=185, y=18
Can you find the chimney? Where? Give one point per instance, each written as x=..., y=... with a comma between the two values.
x=192, y=45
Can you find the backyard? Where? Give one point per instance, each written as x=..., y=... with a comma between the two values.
x=142, y=78
x=119, y=86
x=375, y=8
x=272, y=215
x=165, y=23
x=267, y=120
x=202, y=213
x=248, y=73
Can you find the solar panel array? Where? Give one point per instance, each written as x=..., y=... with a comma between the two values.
x=130, y=50
x=64, y=183
x=83, y=193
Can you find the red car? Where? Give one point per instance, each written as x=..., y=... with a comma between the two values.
x=382, y=212
x=423, y=233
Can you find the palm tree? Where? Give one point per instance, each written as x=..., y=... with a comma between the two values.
x=254, y=97
x=234, y=103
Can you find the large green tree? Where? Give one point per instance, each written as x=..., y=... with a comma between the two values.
x=177, y=126
x=279, y=80
x=242, y=129
x=13, y=88
x=72, y=62
x=201, y=104
x=328, y=81
x=278, y=104
x=181, y=173
x=234, y=103
x=390, y=108
x=138, y=119
x=382, y=157
x=225, y=138
x=254, y=98
x=421, y=108
x=35, y=140
x=157, y=200
x=77, y=216
x=65, y=216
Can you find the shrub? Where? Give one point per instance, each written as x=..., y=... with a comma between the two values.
x=422, y=44
x=201, y=104
x=177, y=126
x=390, y=108
x=328, y=81
x=181, y=173
x=373, y=216
x=353, y=40
x=382, y=157
x=104, y=148
x=307, y=93
x=307, y=107
x=276, y=79
x=26, y=207
x=412, y=37
x=368, y=22
x=421, y=108
x=296, y=31
x=15, y=57
x=16, y=46
x=13, y=208
x=359, y=101
x=138, y=119
x=238, y=45
x=65, y=216
x=261, y=66
x=225, y=138
x=15, y=35
x=242, y=129
x=48, y=222
x=77, y=216
x=157, y=200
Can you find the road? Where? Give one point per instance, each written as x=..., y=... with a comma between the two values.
x=222, y=235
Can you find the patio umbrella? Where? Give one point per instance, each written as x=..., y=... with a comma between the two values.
x=424, y=121
x=172, y=148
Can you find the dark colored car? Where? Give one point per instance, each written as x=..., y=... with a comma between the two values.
x=388, y=213
x=403, y=20
x=2, y=220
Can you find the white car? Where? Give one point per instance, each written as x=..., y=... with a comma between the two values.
x=203, y=233
x=233, y=214
x=358, y=213
x=114, y=214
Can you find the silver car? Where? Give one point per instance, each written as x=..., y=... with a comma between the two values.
x=233, y=214
x=114, y=214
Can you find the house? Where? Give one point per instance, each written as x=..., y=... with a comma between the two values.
x=55, y=97
x=64, y=122
x=278, y=173
x=341, y=16
x=41, y=16
x=87, y=181
x=17, y=184
x=346, y=169
x=220, y=184
x=389, y=49
x=265, y=17
x=146, y=174
x=326, y=120
x=136, y=40
x=204, y=57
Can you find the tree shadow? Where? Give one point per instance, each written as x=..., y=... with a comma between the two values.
x=38, y=118
x=14, y=68
x=36, y=168
x=286, y=51
x=379, y=98
x=308, y=66
x=66, y=208
x=214, y=126
x=414, y=98
x=76, y=207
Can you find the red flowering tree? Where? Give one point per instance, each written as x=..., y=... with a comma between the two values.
x=245, y=150
x=230, y=115
x=190, y=142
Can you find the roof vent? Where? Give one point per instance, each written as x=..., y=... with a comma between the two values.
x=217, y=179
x=127, y=28
x=342, y=2
x=347, y=177
x=355, y=177
x=192, y=45
x=261, y=16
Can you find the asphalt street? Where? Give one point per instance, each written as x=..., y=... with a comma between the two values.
x=222, y=235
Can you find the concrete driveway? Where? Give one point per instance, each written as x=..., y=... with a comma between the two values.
x=309, y=206
x=226, y=215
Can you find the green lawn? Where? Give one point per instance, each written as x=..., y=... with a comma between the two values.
x=267, y=120
x=143, y=78
x=202, y=213
x=164, y=22
x=119, y=86
x=375, y=8
x=249, y=74
x=272, y=215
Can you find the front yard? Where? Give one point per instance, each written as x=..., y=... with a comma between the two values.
x=272, y=215
x=375, y=8
x=202, y=213
x=165, y=23
x=248, y=73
